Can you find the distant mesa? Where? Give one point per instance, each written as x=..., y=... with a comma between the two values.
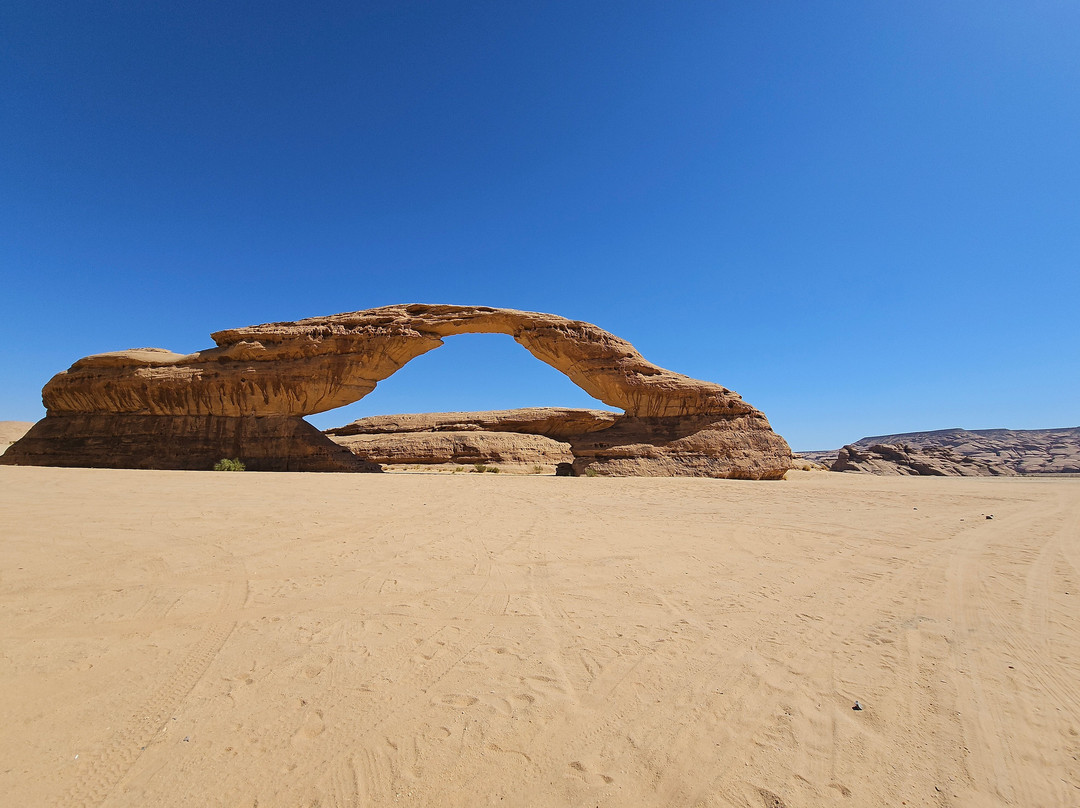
x=903, y=460
x=246, y=398
x=1025, y=451
x=994, y=451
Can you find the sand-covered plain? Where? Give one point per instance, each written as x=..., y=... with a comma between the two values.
x=199, y=638
x=11, y=431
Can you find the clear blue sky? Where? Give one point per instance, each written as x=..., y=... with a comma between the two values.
x=864, y=217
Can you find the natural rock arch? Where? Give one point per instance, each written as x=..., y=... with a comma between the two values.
x=249, y=392
x=322, y=363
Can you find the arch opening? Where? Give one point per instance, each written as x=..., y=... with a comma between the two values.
x=471, y=372
x=473, y=403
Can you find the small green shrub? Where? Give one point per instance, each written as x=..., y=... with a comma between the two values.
x=591, y=472
x=479, y=468
x=225, y=464
x=538, y=469
x=493, y=469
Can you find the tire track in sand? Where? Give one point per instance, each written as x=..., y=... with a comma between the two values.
x=994, y=763
x=102, y=772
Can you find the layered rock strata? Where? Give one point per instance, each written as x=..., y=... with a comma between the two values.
x=900, y=459
x=522, y=439
x=554, y=422
x=672, y=423
x=606, y=442
x=506, y=450
x=189, y=442
x=1025, y=451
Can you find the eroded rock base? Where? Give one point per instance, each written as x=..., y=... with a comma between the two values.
x=507, y=450
x=579, y=442
x=741, y=447
x=185, y=442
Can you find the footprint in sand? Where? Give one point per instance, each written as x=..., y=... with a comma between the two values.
x=313, y=669
x=544, y=686
x=504, y=651
x=498, y=704
x=310, y=728
x=593, y=779
x=458, y=700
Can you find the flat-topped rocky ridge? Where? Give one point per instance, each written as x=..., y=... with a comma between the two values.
x=903, y=460
x=569, y=440
x=530, y=440
x=1020, y=451
x=246, y=398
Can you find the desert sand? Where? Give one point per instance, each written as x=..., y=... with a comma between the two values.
x=11, y=431
x=199, y=638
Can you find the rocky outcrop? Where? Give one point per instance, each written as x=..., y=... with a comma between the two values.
x=190, y=442
x=822, y=457
x=506, y=450
x=522, y=439
x=1025, y=451
x=672, y=423
x=690, y=446
x=899, y=459
x=605, y=442
x=554, y=422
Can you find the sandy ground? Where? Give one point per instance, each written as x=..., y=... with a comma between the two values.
x=11, y=431
x=192, y=638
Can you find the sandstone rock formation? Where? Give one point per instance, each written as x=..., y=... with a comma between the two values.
x=318, y=364
x=899, y=459
x=554, y=422
x=1025, y=451
x=188, y=442
x=672, y=424
x=507, y=439
x=606, y=442
x=503, y=450
x=821, y=457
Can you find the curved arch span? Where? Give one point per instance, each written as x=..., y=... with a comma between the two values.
x=248, y=394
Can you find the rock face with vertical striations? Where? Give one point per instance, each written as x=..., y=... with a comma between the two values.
x=671, y=424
